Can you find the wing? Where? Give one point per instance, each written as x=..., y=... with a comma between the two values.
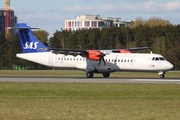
x=82, y=53
x=130, y=50
x=90, y=54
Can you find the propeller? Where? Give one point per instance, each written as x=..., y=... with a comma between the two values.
x=101, y=58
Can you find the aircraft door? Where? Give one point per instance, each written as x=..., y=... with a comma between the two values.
x=50, y=61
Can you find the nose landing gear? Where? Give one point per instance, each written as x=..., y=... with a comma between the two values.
x=162, y=74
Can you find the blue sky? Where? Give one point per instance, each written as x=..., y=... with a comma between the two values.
x=50, y=15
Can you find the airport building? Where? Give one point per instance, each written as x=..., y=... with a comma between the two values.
x=94, y=21
x=13, y=21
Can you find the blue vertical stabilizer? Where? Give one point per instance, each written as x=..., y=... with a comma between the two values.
x=29, y=42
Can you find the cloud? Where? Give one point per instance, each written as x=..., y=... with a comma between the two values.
x=53, y=19
x=23, y=11
x=89, y=0
x=109, y=1
x=47, y=22
x=71, y=9
x=172, y=6
x=103, y=1
x=108, y=7
x=149, y=7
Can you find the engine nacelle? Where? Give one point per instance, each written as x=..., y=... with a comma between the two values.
x=93, y=54
x=124, y=51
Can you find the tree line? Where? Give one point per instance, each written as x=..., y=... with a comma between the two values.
x=163, y=37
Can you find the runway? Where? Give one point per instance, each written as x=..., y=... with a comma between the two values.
x=89, y=80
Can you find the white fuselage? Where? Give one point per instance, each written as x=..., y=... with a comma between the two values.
x=114, y=62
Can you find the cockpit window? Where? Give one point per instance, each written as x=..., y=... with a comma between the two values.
x=161, y=58
x=153, y=58
x=158, y=58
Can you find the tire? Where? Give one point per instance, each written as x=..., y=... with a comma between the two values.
x=162, y=76
x=89, y=74
x=106, y=75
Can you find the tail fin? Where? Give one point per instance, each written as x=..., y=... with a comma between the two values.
x=28, y=41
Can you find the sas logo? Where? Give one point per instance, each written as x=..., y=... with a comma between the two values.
x=31, y=45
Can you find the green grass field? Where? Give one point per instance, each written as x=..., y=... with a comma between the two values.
x=74, y=101
x=78, y=73
x=88, y=101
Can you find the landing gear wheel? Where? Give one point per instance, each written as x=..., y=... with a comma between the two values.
x=162, y=76
x=106, y=75
x=89, y=74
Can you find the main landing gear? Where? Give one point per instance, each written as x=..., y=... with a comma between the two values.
x=106, y=75
x=91, y=74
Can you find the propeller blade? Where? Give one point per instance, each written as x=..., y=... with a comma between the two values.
x=102, y=59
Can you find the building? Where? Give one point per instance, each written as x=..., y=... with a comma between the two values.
x=13, y=20
x=93, y=21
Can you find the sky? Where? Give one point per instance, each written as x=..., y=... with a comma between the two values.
x=50, y=15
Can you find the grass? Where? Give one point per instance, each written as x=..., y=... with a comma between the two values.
x=85, y=101
x=78, y=73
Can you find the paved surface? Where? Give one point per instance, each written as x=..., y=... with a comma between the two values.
x=88, y=80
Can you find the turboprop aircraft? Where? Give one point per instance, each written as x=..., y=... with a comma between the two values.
x=91, y=61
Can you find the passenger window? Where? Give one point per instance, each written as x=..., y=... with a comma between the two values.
x=153, y=58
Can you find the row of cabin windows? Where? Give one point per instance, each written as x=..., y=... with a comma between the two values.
x=122, y=60
x=83, y=59
x=71, y=59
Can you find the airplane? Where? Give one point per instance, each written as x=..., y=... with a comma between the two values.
x=91, y=61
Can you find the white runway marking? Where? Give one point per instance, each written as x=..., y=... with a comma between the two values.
x=156, y=80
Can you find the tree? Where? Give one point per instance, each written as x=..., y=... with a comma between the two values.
x=173, y=54
x=93, y=37
x=2, y=51
x=139, y=21
x=42, y=36
x=55, y=42
x=155, y=21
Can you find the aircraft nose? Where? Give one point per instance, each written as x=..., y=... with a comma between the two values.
x=169, y=66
